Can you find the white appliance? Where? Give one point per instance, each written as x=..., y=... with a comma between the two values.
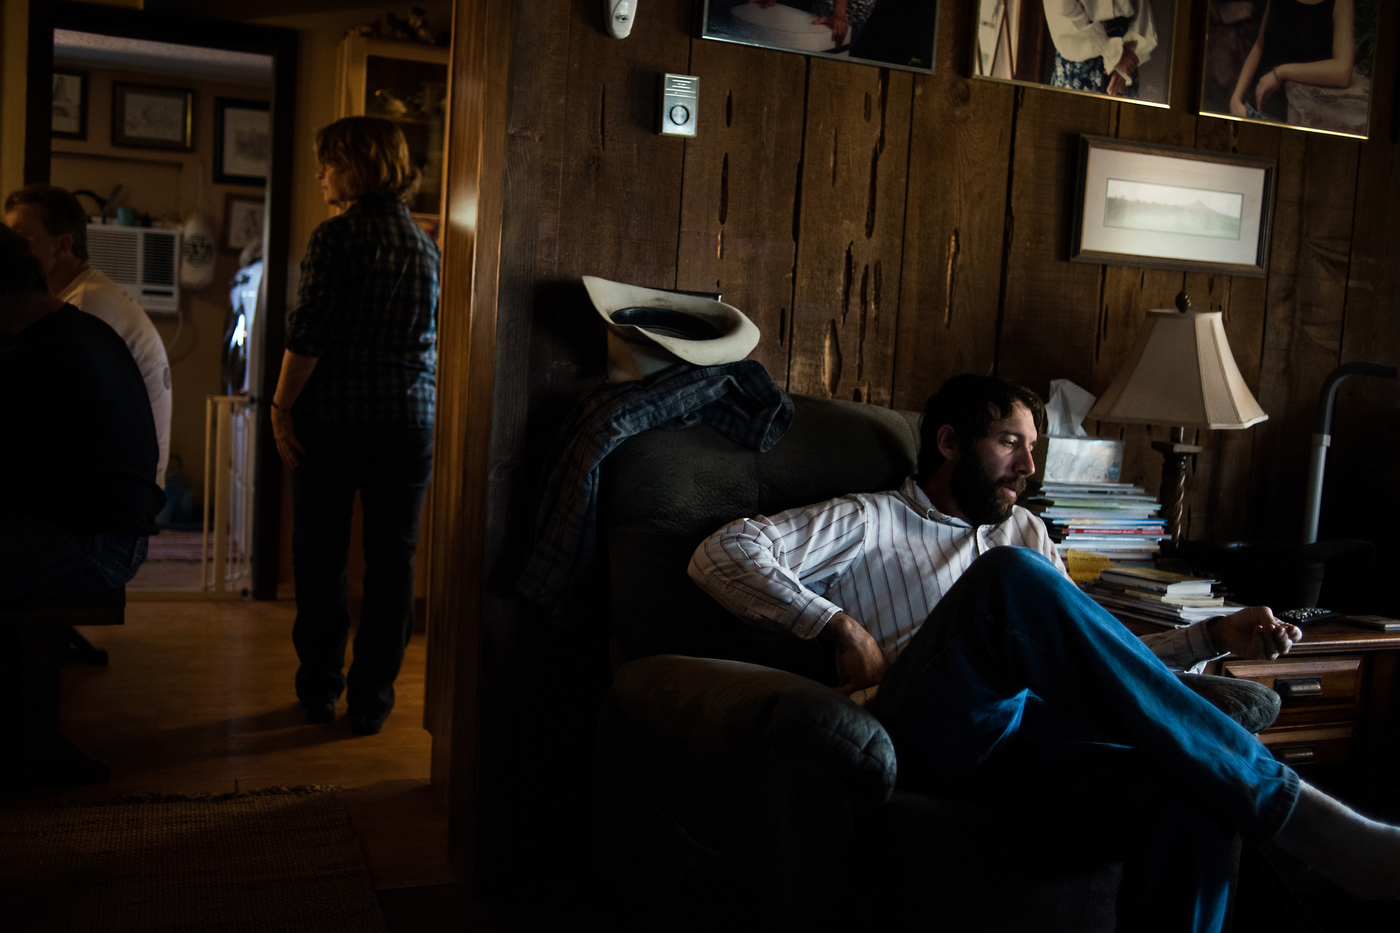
x=144, y=261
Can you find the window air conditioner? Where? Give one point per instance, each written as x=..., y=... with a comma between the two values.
x=144, y=261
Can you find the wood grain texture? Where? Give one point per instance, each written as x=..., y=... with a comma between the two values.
x=738, y=231
x=1050, y=304
x=1306, y=301
x=950, y=284
x=855, y=158
x=1213, y=495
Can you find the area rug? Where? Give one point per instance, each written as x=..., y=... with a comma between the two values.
x=267, y=861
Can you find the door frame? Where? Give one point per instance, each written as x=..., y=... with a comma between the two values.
x=47, y=15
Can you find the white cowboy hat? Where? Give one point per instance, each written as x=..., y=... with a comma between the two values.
x=650, y=329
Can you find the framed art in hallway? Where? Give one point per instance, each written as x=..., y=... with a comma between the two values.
x=146, y=116
x=1104, y=48
x=1305, y=64
x=70, y=103
x=1165, y=207
x=891, y=33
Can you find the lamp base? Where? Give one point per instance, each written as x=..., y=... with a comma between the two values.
x=1172, y=495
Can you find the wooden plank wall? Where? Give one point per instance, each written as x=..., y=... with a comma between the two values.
x=885, y=231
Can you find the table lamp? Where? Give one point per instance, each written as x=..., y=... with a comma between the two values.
x=1180, y=373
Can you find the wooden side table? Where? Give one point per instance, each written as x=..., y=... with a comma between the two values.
x=1336, y=690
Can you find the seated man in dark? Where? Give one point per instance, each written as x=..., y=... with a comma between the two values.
x=993, y=669
x=79, y=467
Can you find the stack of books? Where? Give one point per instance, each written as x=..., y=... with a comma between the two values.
x=1160, y=597
x=1117, y=520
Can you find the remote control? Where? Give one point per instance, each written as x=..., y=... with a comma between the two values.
x=1302, y=617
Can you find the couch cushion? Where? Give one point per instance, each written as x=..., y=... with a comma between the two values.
x=663, y=492
x=728, y=709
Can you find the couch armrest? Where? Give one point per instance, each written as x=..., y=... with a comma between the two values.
x=732, y=710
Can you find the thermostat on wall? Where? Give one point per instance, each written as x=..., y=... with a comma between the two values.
x=680, y=98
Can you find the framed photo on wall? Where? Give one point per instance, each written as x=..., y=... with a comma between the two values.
x=1165, y=207
x=1304, y=65
x=891, y=33
x=243, y=220
x=146, y=116
x=70, y=103
x=242, y=141
x=1059, y=44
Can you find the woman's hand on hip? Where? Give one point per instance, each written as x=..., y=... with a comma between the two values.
x=284, y=432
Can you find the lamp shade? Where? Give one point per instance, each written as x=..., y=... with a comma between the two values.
x=1180, y=373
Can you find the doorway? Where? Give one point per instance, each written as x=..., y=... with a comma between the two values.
x=220, y=73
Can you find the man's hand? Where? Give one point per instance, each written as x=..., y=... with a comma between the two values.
x=1253, y=633
x=862, y=661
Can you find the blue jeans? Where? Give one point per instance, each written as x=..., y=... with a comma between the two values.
x=1017, y=678
x=389, y=466
x=38, y=558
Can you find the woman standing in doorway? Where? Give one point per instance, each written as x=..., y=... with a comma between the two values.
x=353, y=411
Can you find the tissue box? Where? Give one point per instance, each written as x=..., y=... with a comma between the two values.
x=1077, y=460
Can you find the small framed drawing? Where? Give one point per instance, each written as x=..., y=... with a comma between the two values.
x=1165, y=207
x=1065, y=45
x=70, y=102
x=146, y=116
x=242, y=141
x=243, y=220
x=891, y=33
x=1304, y=65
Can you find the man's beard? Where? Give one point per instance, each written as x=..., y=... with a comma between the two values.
x=979, y=496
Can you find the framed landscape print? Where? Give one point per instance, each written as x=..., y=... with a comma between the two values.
x=1166, y=207
x=70, y=103
x=1060, y=44
x=146, y=116
x=242, y=141
x=890, y=33
x=1291, y=63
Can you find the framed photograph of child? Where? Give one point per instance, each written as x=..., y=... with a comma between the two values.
x=1305, y=64
x=1104, y=48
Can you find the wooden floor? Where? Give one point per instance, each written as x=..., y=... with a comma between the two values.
x=198, y=698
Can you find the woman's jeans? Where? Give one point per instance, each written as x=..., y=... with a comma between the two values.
x=1019, y=680
x=41, y=559
x=390, y=466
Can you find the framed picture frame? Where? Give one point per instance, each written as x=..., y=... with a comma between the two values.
x=900, y=34
x=1060, y=47
x=1166, y=207
x=243, y=220
x=242, y=141
x=148, y=116
x=70, y=104
x=1335, y=98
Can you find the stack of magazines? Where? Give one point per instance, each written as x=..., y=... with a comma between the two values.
x=1117, y=520
x=1160, y=597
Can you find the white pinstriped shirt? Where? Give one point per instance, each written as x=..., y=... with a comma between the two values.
x=884, y=558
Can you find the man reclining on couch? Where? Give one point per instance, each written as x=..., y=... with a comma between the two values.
x=991, y=665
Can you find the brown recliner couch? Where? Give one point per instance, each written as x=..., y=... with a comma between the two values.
x=737, y=790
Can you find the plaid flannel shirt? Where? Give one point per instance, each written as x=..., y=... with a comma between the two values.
x=739, y=400
x=367, y=307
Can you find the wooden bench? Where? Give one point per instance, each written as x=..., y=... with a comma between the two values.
x=35, y=633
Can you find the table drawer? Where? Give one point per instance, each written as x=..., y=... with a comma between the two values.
x=1327, y=744
x=1332, y=681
